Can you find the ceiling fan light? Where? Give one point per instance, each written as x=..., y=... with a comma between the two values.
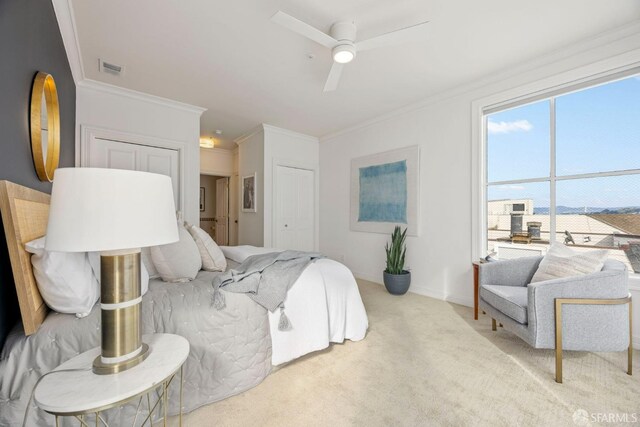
x=344, y=53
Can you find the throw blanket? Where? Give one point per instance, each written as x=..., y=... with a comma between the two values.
x=265, y=278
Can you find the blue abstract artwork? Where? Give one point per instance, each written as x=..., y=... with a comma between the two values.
x=383, y=193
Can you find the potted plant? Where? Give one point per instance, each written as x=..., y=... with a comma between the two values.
x=396, y=278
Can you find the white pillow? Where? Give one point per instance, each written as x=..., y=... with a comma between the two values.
x=65, y=279
x=179, y=261
x=145, y=257
x=212, y=257
x=94, y=260
x=561, y=261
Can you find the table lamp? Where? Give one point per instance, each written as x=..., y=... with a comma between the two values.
x=114, y=212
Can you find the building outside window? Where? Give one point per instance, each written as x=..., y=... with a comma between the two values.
x=566, y=169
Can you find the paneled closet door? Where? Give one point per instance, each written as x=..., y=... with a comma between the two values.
x=295, y=210
x=105, y=153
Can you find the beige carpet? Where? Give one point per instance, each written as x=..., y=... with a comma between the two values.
x=427, y=362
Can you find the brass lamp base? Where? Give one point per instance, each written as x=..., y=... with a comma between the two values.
x=120, y=300
x=102, y=368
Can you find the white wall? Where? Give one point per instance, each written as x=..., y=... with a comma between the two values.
x=250, y=161
x=440, y=258
x=217, y=161
x=287, y=148
x=104, y=106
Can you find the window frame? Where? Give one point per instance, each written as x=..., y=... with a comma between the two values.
x=543, y=90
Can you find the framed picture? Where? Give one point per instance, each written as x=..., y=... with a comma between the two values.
x=249, y=193
x=384, y=191
x=201, y=199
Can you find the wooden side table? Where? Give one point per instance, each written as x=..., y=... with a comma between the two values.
x=72, y=389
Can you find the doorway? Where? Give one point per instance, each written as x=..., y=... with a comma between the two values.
x=214, y=207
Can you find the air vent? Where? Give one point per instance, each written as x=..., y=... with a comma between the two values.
x=110, y=68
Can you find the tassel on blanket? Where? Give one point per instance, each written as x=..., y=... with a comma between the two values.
x=218, y=299
x=284, y=324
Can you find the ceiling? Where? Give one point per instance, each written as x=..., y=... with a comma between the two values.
x=228, y=57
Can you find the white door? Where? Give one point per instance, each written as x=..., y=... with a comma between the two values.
x=106, y=153
x=234, y=201
x=222, y=211
x=295, y=209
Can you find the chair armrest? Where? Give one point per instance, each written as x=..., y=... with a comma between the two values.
x=511, y=272
x=611, y=284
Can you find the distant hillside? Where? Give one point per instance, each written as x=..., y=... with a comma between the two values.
x=567, y=210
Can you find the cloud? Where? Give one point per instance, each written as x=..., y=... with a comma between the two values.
x=508, y=127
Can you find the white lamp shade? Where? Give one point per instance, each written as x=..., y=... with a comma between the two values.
x=110, y=210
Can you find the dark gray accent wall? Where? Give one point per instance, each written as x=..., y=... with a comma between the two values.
x=30, y=41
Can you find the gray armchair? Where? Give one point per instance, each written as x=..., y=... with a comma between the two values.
x=584, y=313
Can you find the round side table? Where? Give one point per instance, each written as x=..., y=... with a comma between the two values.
x=72, y=389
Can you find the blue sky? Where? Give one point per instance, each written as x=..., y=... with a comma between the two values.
x=597, y=130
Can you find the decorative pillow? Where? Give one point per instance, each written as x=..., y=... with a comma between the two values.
x=179, y=261
x=561, y=261
x=212, y=257
x=94, y=260
x=145, y=257
x=65, y=279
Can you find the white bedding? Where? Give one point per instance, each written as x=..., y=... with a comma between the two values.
x=323, y=306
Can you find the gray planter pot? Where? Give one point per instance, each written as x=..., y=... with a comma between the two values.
x=397, y=284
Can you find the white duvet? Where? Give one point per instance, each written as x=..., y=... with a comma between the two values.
x=323, y=306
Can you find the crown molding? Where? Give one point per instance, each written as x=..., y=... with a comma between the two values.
x=139, y=96
x=254, y=131
x=218, y=150
x=67, y=24
x=616, y=36
x=265, y=128
x=270, y=128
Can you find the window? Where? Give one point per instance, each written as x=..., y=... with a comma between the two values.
x=566, y=168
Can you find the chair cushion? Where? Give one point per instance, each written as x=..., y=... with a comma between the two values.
x=510, y=300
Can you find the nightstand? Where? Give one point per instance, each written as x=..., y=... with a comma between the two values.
x=76, y=391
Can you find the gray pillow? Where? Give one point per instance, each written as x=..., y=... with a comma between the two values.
x=561, y=261
x=179, y=261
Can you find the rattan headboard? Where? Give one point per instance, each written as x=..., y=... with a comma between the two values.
x=24, y=214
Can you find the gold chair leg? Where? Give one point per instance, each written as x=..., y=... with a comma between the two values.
x=589, y=301
x=493, y=324
x=558, y=324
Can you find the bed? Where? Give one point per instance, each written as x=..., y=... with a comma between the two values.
x=232, y=350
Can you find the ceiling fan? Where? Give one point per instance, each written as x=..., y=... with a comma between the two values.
x=342, y=41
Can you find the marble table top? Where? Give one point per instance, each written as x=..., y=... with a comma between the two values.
x=83, y=391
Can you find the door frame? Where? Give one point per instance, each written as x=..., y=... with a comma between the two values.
x=312, y=167
x=90, y=133
x=229, y=219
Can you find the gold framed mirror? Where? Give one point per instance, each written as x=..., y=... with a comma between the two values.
x=45, y=126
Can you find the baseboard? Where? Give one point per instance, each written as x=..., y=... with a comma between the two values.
x=420, y=290
x=467, y=302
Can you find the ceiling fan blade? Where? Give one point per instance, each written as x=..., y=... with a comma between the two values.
x=403, y=35
x=304, y=29
x=334, y=77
